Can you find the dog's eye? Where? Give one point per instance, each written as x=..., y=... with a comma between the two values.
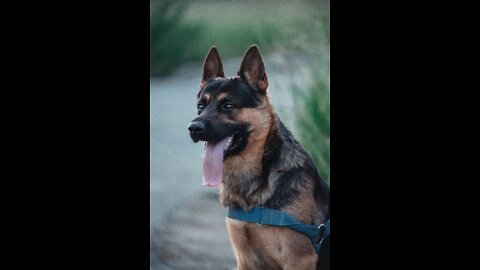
x=200, y=106
x=227, y=106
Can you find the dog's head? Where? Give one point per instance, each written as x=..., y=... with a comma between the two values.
x=230, y=109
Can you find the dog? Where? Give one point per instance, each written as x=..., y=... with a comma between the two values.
x=257, y=162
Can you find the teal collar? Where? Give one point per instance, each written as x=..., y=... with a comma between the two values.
x=278, y=218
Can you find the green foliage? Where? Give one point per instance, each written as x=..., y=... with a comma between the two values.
x=233, y=26
x=171, y=37
x=313, y=106
x=183, y=31
x=313, y=120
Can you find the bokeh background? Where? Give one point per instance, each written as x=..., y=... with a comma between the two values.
x=187, y=221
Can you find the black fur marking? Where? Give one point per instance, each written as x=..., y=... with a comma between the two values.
x=239, y=92
x=217, y=130
x=322, y=193
x=241, y=95
x=243, y=133
x=279, y=144
x=292, y=175
x=321, y=189
x=287, y=189
x=271, y=154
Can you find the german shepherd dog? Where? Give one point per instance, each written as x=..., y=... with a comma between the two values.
x=257, y=163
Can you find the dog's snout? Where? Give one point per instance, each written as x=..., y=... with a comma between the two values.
x=197, y=127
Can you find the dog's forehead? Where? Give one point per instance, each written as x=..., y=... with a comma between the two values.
x=234, y=89
x=233, y=85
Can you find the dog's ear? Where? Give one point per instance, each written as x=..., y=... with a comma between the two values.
x=212, y=67
x=253, y=70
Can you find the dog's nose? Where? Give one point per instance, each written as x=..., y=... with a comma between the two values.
x=196, y=127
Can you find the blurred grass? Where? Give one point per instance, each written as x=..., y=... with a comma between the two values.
x=313, y=103
x=172, y=39
x=235, y=25
x=313, y=121
x=183, y=31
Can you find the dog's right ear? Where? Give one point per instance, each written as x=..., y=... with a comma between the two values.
x=212, y=67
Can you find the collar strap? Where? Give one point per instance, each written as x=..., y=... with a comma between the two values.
x=278, y=218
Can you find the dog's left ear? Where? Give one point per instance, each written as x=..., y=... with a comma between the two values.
x=253, y=70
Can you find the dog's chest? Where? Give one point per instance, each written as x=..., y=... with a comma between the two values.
x=242, y=234
x=253, y=244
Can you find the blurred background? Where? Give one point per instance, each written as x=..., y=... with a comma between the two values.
x=187, y=221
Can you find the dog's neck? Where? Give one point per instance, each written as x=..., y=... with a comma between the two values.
x=245, y=179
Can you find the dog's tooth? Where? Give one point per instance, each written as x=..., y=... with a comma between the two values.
x=228, y=143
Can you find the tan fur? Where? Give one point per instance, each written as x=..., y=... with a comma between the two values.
x=256, y=82
x=207, y=98
x=304, y=208
x=250, y=158
x=248, y=163
x=260, y=246
x=266, y=247
x=260, y=120
x=221, y=96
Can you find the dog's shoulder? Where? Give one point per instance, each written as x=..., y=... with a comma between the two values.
x=292, y=172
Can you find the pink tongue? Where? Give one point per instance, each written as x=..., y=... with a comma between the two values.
x=213, y=163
